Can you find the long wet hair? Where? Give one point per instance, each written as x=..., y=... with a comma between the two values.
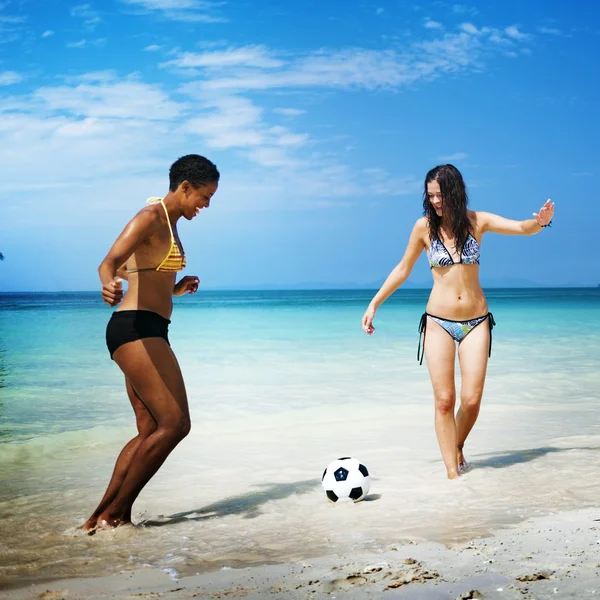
x=454, y=205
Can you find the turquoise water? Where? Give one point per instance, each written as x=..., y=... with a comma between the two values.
x=55, y=374
x=280, y=383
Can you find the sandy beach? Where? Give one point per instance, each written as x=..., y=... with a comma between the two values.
x=556, y=556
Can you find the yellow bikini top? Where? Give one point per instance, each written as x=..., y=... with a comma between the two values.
x=174, y=261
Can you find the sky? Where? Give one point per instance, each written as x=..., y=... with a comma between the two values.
x=323, y=117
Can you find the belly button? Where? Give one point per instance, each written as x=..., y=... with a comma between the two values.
x=459, y=297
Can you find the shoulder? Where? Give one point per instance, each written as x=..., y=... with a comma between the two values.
x=145, y=222
x=421, y=225
x=149, y=215
x=478, y=220
x=420, y=232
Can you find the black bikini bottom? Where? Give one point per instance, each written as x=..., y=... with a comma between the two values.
x=129, y=325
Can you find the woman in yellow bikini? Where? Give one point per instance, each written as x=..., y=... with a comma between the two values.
x=148, y=254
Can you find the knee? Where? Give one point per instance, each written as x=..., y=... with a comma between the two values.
x=471, y=402
x=146, y=428
x=176, y=430
x=444, y=404
x=185, y=427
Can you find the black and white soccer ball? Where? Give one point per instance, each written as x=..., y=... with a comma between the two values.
x=346, y=479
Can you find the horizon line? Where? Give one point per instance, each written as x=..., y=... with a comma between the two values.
x=314, y=289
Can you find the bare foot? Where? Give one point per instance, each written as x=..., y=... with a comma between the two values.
x=107, y=521
x=89, y=524
x=452, y=474
x=463, y=465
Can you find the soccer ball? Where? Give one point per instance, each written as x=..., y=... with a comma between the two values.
x=346, y=479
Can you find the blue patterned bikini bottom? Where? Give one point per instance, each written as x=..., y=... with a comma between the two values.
x=457, y=329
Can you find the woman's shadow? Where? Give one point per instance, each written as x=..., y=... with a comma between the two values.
x=248, y=505
x=508, y=459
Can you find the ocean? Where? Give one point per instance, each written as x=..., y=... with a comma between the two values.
x=280, y=383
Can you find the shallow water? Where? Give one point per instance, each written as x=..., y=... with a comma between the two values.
x=279, y=385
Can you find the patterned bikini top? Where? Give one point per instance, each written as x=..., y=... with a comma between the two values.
x=174, y=261
x=440, y=257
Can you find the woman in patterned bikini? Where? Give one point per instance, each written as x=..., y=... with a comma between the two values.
x=148, y=254
x=457, y=310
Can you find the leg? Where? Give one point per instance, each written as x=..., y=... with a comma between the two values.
x=152, y=369
x=440, y=353
x=473, y=359
x=145, y=426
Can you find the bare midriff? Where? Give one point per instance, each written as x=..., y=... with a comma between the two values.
x=457, y=294
x=150, y=290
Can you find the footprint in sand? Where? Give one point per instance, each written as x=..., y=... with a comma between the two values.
x=53, y=595
x=412, y=572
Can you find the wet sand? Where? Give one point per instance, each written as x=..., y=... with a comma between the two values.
x=556, y=556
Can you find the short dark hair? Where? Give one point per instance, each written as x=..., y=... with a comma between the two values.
x=193, y=168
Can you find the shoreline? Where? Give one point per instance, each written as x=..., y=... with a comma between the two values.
x=556, y=556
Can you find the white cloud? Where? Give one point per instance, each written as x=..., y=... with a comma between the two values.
x=116, y=100
x=462, y=9
x=247, y=56
x=103, y=139
x=550, y=30
x=180, y=10
x=87, y=13
x=454, y=157
x=433, y=25
x=10, y=26
x=470, y=28
x=47, y=33
x=84, y=43
x=272, y=156
x=95, y=77
x=100, y=128
x=10, y=77
x=11, y=20
x=60, y=144
x=152, y=48
x=289, y=112
x=256, y=68
x=236, y=122
x=230, y=122
x=514, y=33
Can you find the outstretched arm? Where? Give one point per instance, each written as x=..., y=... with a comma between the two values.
x=398, y=275
x=497, y=224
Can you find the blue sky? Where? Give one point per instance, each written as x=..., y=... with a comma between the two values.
x=323, y=118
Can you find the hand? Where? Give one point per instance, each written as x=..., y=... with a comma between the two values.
x=112, y=292
x=367, y=320
x=545, y=215
x=188, y=284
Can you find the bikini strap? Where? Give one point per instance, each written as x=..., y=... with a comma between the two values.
x=168, y=220
x=422, y=328
x=172, y=237
x=491, y=324
x=156, y=200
